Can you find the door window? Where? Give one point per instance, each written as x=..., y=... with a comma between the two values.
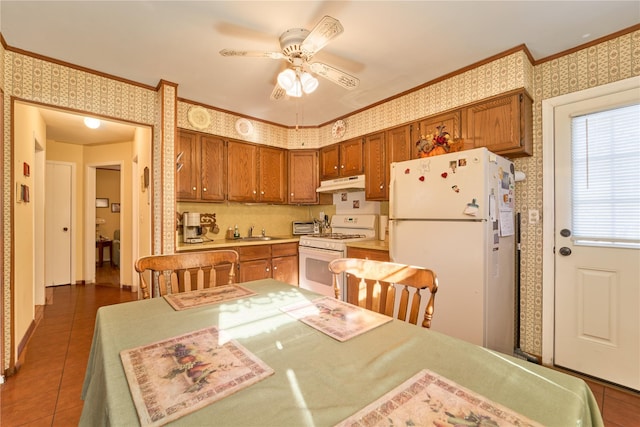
x=606, y=176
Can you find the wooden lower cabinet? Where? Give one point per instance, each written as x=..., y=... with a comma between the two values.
x=361, y=253
x=277, y=261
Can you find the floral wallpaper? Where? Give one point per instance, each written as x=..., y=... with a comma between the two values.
x=33, y=79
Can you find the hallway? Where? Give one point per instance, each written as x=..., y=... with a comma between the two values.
x=46, y=390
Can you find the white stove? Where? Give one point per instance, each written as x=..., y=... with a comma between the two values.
x=317, y=250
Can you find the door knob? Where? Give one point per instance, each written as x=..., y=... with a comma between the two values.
x=565, y=233
x=564, y=251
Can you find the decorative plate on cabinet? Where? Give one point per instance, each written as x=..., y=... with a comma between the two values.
x=244, y=127
x=199, y=117
x=338, y=129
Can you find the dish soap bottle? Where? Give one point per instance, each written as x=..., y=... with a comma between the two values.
x=236, y=233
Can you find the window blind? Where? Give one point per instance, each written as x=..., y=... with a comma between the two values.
x=606, y=177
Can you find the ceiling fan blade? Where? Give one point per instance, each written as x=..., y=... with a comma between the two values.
x=339, y=77
x=278, y=93
x=322, y=33
x=252, y=53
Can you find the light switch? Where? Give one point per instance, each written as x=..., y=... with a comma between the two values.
x=534, y=216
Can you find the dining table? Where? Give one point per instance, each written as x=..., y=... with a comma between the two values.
x=316, y=379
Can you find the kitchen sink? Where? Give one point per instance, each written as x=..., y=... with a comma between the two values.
x=259, y=238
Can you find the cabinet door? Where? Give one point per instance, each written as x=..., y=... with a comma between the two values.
x=330, y=162
x=272, y=169
x=451, y=122
x=254, y=270
x=399, y=144
x=285, y=269
x=303, y=176
x=375, y=163
x=351, y=162
x=242, y=178
x=212, y=169
x=187, y=166
x=503, y=124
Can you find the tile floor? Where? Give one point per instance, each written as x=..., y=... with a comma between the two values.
x=46, y=390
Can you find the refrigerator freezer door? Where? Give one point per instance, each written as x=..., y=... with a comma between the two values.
x=475, y=298
x=449, y=186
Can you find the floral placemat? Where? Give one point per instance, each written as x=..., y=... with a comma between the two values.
x=185, y=300
x=427, y=399
x=171, y=378
x=336, y=318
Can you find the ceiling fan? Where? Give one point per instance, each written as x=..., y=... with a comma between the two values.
x=298, y=47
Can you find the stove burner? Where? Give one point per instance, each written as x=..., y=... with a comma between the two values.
x=339, y=236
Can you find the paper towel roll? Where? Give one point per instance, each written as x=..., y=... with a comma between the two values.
x=382, y=229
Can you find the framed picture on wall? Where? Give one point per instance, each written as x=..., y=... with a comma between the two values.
x=102, y=203
x=115, y=207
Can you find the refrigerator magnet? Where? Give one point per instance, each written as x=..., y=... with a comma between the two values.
x=472, y=208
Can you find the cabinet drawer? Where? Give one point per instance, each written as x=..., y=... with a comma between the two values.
x=254, y=252
x=368, y=254
x=284, y=249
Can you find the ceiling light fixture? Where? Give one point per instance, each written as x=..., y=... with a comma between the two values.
x=296, y=82
x=91, y=123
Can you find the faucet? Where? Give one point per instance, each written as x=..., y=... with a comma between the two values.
x=251, y=231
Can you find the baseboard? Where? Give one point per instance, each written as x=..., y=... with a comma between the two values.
x=25, y=339
x=126, y=288
x=80, y=282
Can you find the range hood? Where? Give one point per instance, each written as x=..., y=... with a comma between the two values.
x=340, y=185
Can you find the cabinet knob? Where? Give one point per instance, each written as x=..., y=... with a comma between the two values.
x=204, y=189
x=268, y=269
x=335, y=167
x=342, y=166
x=194, y=188
x=275, y=268
x=381, y=186
x=262, y=192
x=291, y=194
x=255, y=192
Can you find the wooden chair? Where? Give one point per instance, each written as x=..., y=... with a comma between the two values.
x=376, y=285
x=186, y=272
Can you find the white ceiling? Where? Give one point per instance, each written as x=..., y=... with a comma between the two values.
x=391, y=46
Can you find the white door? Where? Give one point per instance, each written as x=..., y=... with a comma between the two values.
x=57, y=224
x=597, y=237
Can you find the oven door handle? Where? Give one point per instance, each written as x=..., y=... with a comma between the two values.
x=309, y=250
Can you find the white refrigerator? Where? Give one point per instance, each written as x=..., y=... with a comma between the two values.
x=454, y=214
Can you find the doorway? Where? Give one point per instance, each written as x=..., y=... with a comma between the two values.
x=591, y=271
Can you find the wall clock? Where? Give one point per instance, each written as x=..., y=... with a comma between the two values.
x=198, y=117
x=338, y=129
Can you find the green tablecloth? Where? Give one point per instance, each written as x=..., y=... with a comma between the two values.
x=318, y=381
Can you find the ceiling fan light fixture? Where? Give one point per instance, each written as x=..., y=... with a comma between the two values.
x=309, y=83
x=296, y=89
x=287, y=79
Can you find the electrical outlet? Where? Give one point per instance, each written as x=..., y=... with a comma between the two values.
x=534, y=216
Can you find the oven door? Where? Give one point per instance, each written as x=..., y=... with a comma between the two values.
x=314, y=270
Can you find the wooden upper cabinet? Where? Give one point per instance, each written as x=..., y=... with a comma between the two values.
x=375, y=163
x=212, y=169
x=343, y=159
x=400, y=143
x=503, y=124
x=199, y=167
x=351, y=162
x=242, y=172
x=256, y=173
x=303, y=177
x=272, y=175
x=187, y=166
x=451, y=121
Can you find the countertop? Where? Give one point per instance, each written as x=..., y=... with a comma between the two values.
x=230, y=243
